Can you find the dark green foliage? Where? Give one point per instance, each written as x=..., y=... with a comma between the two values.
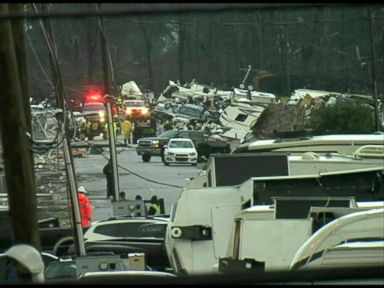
x=343, y=119
x=319, y=47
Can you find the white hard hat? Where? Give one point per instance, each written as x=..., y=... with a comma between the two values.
x=30, y=258
x=82, y=189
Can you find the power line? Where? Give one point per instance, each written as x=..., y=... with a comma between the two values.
x=38, y=60
x=109, y=58
x=171, y=8
x=145, y=178
x=300, y=22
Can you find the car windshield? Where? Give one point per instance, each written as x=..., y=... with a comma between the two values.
x=93, y=107
x=168, y=134
x=181, y=144
x=134, y=103
x=189, y=111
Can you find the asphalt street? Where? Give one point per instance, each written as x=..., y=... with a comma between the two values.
x=135, y=178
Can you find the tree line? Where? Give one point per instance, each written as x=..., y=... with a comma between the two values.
x=327, y=47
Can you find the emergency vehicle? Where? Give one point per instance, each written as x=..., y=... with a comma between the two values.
x=95, y=115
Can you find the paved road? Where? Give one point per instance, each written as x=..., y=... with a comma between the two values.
x=135, y=177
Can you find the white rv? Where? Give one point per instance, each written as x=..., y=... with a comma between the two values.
x=221, y=168
x=254, y=96
x=342, y=144
x=199, y=231
x=240, y=117
x=272, y=236
x=353, y=240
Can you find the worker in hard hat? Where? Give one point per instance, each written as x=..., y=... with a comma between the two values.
x=86, y=209
x=22, y=264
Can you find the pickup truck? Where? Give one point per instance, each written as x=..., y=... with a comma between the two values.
x=154, y=146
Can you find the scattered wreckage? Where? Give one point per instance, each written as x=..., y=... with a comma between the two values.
x=234, y=115
x=227, y=114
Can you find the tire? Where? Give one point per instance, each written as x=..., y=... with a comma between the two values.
x=166, y=163
x=146, y=157
x=162, y=155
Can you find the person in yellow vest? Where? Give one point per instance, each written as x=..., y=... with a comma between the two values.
x=127, y=128
x=84, y=129
x=154, y=207
x=106, y=130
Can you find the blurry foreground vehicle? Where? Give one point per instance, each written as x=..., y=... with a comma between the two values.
x=122, y=235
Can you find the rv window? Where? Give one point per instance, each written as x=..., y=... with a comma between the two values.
x=241, y=117
x=117, y=230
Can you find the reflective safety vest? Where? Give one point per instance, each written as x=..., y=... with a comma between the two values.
x=114, y=128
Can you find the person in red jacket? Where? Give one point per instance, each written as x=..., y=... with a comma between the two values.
x=86, y=209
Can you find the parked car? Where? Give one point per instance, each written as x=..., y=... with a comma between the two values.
x=154, y=146
x=180, y=151
x=126, y=234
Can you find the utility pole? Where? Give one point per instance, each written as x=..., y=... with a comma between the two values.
x=90, y=47
x=19, y=42
x=64, y=135
x=180, y=52
x=107, y=72
x=373, y=72
x=18, y=160
x=112, y=149
x=104, y=55
x=79, y=243
x=47, y=25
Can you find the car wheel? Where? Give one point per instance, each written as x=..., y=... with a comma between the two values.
x=146, y=158
x=162, y=154
x=166, y=163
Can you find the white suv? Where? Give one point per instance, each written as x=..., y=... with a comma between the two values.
x=180, y=151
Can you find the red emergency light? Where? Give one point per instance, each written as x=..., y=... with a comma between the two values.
x=93, y=96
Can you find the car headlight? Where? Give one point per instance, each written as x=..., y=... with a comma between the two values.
x=128, y=112
x=192, y=154
x=101, y=114
x=144, y=111
x=171, y=154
